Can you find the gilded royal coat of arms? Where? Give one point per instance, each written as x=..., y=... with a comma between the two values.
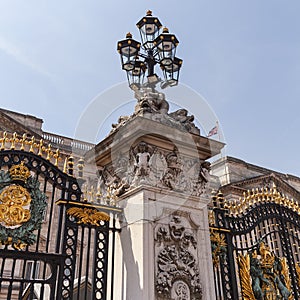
x=22, y=207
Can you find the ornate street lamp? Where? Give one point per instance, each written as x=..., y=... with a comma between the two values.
x=155, y=48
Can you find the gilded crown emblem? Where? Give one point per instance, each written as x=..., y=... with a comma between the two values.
x=19, y=172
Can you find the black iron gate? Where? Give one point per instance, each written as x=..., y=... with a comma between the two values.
x=255, y=246
x=54, y=244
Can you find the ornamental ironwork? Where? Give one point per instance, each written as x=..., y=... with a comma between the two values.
x=259, y=234
x=66, y=256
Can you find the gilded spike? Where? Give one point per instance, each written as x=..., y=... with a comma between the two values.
x=13, y=141
x=56, y=156
x=92, y=194
x=40, y=153
x=84, y=194
x=80, y=166
x=23, y=141
x=31, y=143
x=65, y=165
x=3, y=140
x=49, y=152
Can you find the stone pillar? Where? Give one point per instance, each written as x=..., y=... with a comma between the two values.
x=156, y=165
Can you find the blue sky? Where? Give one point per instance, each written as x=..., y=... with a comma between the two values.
x=243, y=57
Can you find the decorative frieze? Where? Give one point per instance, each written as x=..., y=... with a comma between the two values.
x=145, y=164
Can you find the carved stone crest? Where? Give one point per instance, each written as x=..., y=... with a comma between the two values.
x=177, y=271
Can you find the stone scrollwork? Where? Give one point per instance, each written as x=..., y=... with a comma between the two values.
x=264, y=275
x=146, y=164
x=177, y=271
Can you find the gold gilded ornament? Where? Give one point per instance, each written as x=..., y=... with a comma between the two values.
x=245, y=277
x=19, y=172
x=88, y=215
x=218, y=246
x=14, y=202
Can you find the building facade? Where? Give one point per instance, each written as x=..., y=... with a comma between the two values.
x=143, y=214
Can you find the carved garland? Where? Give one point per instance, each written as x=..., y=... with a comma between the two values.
x=22, y=206
x=177, y=272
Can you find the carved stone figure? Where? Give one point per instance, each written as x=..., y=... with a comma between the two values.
x=121, y=121
x=203, y=179
x=142, y=159
x=177, y=275
x=181, y=115
x=151, y=101
x=170, y=178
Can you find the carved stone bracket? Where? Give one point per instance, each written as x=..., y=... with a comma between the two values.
x=177, y=272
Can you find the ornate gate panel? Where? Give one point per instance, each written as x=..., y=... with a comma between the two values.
x=255, y=246
x=54, y=243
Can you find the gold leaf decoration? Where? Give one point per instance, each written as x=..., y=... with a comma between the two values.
x=285, y=273
x=245, y=277
x=298, y=273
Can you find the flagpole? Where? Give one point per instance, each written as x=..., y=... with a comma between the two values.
x=219, y=136
x=218, y=131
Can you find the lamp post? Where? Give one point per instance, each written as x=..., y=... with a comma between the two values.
x=157, y=47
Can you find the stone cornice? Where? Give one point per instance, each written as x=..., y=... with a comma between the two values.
x=9, y=124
